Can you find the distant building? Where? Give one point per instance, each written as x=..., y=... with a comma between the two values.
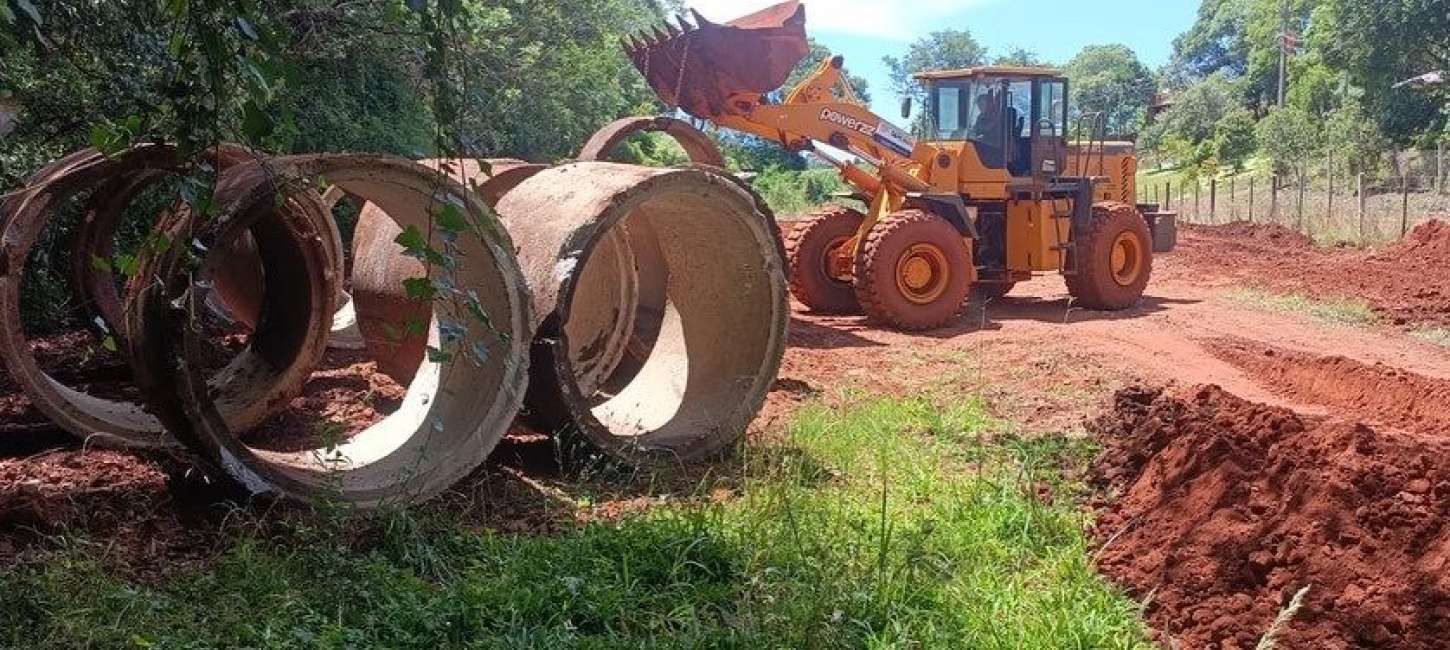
x=1161, y=102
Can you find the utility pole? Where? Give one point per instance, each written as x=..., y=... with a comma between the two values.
x=1283, y=47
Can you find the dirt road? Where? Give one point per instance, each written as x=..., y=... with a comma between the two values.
x=1047, y=365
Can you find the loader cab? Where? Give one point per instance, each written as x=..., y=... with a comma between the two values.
x=1015, y=118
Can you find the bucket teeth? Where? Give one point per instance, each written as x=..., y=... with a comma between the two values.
x=699, y=17
x=685, y=23
x=672, y=29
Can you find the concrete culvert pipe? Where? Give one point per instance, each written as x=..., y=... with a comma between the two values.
x=379, y=301
x=698, y=146
x=661, y=305
x=102, y=421
x=455, y=411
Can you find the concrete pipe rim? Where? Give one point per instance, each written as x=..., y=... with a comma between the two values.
x=444, y=430
x=747, y=391
x=104, y=422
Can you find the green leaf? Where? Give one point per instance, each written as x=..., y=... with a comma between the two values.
x=420, y=288
x=436, y=355
x=107, y=139
x=109, y=343
x=6, y=15
x=128, y=265
x=450, y=219
x=101, y=264
x=412, y=240
x=159, y=242
x=256, y=123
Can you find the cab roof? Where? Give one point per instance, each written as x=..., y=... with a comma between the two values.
x=989, y=71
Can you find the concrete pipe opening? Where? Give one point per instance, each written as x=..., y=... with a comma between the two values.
x=379, y=301
x=455, y=409
x=115, y=418
x=661, y=302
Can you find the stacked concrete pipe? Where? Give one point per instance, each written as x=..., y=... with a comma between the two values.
x=454, y=413
x=25, y=216
x=658, y=294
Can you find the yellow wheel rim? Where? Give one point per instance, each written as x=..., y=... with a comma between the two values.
x=1127, y=259
x=922, y=273
x=840, y=272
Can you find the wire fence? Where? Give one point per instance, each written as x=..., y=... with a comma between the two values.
x=1329, y=200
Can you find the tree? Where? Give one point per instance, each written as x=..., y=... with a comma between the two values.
x=813, y=60
x=1109, y=79
x=941, y=50
x=1289, y=136
x=1234, y=138
x=1195, y=114
x=1356, y=139
x=1381, y=43
x=1020, y=56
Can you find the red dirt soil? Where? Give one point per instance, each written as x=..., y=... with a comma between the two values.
x=1226, y=508
x=1407, y=282
x=1378, y=393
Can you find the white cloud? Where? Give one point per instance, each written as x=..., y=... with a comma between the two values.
x=898, y=21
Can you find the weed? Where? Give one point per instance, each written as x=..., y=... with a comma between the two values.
x=1334, y=311
x=882, y=523
x=1438, y=335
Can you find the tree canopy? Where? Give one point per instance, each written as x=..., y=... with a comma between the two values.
x=1109, y=79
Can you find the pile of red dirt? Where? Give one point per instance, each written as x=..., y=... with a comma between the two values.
x=1406, y=282
x=1225, y=509
x=1376, y=393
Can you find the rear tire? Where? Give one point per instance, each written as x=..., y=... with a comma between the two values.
x=1115, y=259
x=914, y=272
x=807, y=252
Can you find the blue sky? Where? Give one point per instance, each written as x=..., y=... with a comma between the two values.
x=866, y=30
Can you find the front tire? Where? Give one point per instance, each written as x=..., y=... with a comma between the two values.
x=808, y=250
x=1115, y=259
x=914, y=272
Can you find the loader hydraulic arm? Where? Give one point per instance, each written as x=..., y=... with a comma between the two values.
x=824, y=109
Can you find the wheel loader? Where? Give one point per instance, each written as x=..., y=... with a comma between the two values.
x=993, y=193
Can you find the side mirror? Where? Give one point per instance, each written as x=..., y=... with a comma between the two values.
x=906, y=108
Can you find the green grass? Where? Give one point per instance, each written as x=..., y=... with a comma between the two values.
x=1438, y=335
x=1325, y=310
x=884, y=524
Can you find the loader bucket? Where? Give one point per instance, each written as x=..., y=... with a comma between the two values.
x=698, y=67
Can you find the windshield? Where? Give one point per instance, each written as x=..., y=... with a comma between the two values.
x=969, y=110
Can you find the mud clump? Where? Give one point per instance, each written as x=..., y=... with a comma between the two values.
x=1223, y=509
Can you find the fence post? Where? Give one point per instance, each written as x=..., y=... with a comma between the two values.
x=1182, y=203
x=1439, y=167
x=1233, y=202
x=1168, y=195
x=1359, y=194
x=1299, y=216
x=1213, y=199
x=1329, y=211
x=1405, y=204
x=1274, y=198
x=1197, y=192
x=1251, y=198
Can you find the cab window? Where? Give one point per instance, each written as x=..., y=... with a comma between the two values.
x=1052, y=109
